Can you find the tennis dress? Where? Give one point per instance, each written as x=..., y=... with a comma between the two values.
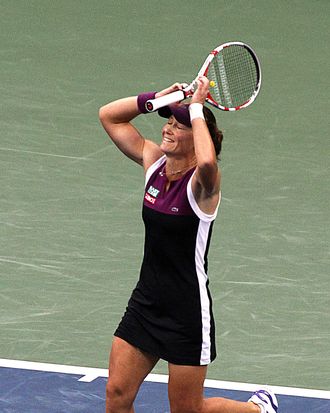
x=169, y=314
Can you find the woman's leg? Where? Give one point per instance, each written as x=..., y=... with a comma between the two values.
x=186, y=394
x=128, y=367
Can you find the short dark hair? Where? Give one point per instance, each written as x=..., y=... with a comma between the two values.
x=215, y=132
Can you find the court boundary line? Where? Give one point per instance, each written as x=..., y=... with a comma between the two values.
x=80, y=158
x=88, y=374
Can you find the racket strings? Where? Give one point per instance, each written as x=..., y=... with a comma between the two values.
x=235, y=74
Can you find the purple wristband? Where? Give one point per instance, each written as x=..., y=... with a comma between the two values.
x=142, y=99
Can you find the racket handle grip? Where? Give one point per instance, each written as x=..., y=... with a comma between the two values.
x=154, y=104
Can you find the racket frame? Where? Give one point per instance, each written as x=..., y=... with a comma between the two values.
x=179, y=95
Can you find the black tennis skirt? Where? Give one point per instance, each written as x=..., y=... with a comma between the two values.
x=181, y=346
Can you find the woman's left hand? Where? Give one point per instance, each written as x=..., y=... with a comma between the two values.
x=202, y=90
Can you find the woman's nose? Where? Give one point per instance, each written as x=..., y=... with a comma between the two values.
x=167, y=128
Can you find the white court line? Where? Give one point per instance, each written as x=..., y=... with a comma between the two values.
x=43, y=154
x=89, y=374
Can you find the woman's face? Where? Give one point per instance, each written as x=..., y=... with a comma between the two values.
x=177, y=139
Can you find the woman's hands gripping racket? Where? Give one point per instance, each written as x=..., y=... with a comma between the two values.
x=234, y=75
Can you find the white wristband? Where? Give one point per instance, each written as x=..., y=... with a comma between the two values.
x=196, y=111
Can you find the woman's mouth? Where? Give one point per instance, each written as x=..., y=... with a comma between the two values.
x=165, y=139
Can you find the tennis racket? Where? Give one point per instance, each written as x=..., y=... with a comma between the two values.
x=234, y=73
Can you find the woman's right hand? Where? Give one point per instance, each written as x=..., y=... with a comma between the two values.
x=176, y=86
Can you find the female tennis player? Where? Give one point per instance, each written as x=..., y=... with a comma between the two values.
x=169, y=315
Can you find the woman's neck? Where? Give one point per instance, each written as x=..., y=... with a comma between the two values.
x=175, y=168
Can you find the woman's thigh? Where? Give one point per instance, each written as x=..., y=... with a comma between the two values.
x=128, y=367
x=185, y=387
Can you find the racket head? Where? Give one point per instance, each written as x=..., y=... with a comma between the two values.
x=234, y=72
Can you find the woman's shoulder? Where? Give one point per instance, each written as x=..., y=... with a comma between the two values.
x=151, y=154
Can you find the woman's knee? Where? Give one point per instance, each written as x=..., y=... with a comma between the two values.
x=118, y=395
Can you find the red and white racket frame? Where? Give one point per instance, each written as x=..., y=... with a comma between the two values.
x=179, y=95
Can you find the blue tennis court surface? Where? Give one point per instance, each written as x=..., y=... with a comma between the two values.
x=39, y=391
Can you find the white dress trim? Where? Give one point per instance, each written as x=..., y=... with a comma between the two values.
x=153, y=167
x=193, y=203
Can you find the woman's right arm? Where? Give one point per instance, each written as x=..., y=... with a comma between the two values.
x=116, y=119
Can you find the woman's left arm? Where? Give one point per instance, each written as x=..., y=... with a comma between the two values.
x=206, y=182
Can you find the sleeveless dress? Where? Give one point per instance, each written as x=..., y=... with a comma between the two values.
x=169, y=314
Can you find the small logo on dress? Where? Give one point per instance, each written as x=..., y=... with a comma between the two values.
x=153, y=191
x=149, y=198
x=175, y=209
